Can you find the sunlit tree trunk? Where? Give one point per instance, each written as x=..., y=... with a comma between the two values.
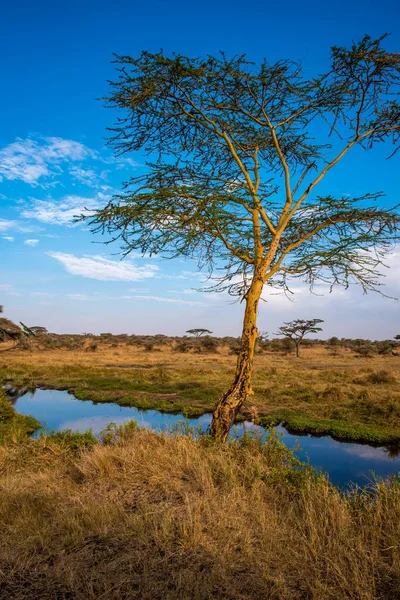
x=231, y=401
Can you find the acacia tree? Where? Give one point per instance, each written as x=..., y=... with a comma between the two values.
x=199, y=332
x=234, y=167
x=298, y=329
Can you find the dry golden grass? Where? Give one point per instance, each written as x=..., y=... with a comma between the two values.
x=156, y=517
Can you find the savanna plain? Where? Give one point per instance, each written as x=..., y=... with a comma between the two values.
x=138, y=514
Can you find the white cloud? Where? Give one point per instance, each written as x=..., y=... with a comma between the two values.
x=63, y=212
x=5, y=286
x=190, y=291
x=31, y=160
x=31, y=242
x=103, y=269
x=9, y=238
x=17, y=226
x=162, y=299
x=5, y=225
x=42, y=294
x=78, y=297
x=86, y=176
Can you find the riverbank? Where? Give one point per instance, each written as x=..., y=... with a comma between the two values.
x=14, y=426
x=150, y=516
x=342, y=395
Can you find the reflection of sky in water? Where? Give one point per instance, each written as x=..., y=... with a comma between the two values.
x=344, y=462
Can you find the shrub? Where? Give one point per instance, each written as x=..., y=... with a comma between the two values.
x=367, y=351
x=381, y=377
x=183, y=346
x=207, y=344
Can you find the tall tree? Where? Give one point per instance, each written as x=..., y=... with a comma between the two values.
x=298, y=329
x=234, y=167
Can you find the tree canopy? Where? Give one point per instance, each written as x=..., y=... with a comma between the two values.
x=199, y=332
x=298, y=329
x=234, y=165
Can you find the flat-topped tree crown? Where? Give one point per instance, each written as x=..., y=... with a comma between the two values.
x=199, y=332
x=234, y=169
x=298, y=329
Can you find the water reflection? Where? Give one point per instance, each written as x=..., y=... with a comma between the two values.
x=344, y=462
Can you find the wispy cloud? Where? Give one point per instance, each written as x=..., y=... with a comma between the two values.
x=5, y=287
x=42, y=294
x=103, y=269
x=31, y=242
x=78, y=297
x=86, y=176
x=9, y=238
x=162, y=299
x=33, y=160
x=6, y=225
x=62, y=212
x=182, y=292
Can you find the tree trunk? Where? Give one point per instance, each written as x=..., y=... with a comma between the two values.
x=297, y=349
x=231, y=401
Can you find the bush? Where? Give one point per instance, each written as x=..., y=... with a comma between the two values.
x=288, y=345
x=183, y=346
x=381, y=377
x=207, y=344
x=367, y=351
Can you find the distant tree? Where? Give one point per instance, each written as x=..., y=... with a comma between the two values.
x=397, y=337
x=233, y=171
x=298, y=329
x=199, y=332
x=38, y=330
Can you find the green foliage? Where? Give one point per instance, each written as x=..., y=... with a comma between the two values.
x=231, y=152
x=71, y=440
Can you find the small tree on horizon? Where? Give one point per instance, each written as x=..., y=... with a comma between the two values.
x=199, y=332
x=298, y=329
x=234, y=168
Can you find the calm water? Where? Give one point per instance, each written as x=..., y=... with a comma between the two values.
x=343, y=462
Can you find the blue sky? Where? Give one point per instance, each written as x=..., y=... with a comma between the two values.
x=54, y=64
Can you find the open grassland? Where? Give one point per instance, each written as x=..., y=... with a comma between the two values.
x=325, y=391
x=157, y=517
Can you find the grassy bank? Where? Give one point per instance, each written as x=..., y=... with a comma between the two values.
x=151, y=516
x=14, y=427
x=341, y=394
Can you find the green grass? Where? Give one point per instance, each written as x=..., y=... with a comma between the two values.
x=338, y=429
x=358, y=404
